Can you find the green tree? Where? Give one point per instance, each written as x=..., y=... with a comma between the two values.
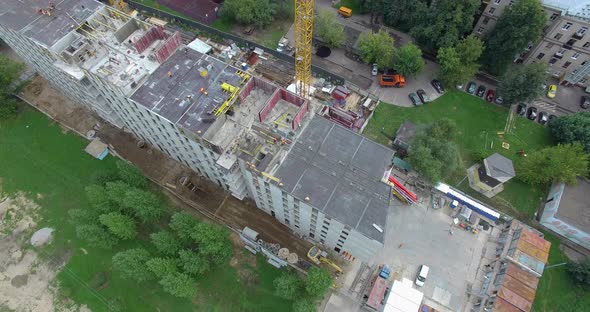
x=132, y=263
x=257, y=12
x=8, y=106
x=180, y=285
x=561, y=163
x=519, y=25
x=9, y=72
x=377, y=48
x=288, y=286
x=99, y=199
x=434, y=153
x=408, y=60
x=131, y=175
x=145, y=205
x=213, y=242
x=522, y=82
x=304, y=305
x=580, y=272
x=165, y=242
x=403, y=14
x=446, y=21
x=573, y=128
x=116, y=192
x=82, y=216
x=192, y=262
x=162, y=266
x=328, y=29
x=317, y=282
x=120, y=225
x=459, y=63
x=183, y=224
x=96, y=236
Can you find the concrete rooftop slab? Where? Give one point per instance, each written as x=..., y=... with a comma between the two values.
x=340, y=171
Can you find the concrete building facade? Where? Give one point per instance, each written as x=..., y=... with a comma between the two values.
x=564, y=46
x=242, y=132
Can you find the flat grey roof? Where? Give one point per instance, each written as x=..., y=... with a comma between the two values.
x=22, y=15
x=499, y=167
x=340, y=171
x=573, y=206
x=178, y=97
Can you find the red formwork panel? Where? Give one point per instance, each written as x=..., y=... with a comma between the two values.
x=246, y=89
x=300, y=115
x=168, y=48
x=258, y=83
x=269, y=106
x=155, y=33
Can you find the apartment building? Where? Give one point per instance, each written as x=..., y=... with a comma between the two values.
x=564, y=47
x=246, y=134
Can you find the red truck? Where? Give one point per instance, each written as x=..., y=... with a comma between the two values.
x=396, y=81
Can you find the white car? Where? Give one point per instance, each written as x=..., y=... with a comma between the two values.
x=422, y=274
x=375, y=70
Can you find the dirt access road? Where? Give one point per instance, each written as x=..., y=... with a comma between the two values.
x=208, y=201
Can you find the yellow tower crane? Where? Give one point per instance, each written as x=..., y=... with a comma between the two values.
x=303, y=45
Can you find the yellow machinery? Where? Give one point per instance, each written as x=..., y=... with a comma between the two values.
x=233, y=92
x=303, y=45
x=318, y=256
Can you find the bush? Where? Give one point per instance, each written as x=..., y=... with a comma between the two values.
x=132, y=264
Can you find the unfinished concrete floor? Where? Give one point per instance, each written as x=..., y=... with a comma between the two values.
x=208, y=201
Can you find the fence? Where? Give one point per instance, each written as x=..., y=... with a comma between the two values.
x=318, y=71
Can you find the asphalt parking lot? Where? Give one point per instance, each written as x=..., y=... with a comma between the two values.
x=419, y=235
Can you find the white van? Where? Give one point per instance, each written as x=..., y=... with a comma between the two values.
x=422, y=274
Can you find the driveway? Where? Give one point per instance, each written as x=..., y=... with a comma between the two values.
x=419, y=235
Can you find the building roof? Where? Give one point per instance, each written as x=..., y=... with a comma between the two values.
x=340, y=171
x=403, y=297
x=173, y=90
x=23, y=16
x=577, y=8
x=406, y=132
x=517, y=292
x=499, y=167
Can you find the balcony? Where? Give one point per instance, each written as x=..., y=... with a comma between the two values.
x=569, y=44
x=558, y=55
x=578, y=35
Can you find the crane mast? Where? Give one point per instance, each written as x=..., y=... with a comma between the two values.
x=303, y=45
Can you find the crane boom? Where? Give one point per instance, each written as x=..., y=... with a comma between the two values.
x=303, y=45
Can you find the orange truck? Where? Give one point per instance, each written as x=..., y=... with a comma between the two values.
x=396, y=81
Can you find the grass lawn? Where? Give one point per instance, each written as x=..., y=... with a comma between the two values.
x=556, y=291
x=52, y=168
x=478, y=123
x=154, y=4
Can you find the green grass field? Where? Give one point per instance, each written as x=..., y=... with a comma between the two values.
x=556, y=291
x=52, y=168
x=478, y=124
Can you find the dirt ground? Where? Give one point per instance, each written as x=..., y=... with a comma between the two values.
x=208, y=200
x=22, y=273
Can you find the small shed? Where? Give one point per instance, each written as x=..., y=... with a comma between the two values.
x=405, y=135
x=97, y=149
x=499, y=168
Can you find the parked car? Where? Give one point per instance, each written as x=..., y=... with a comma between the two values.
x=585, y=103
x=423, y=96
x=552, y=91
x=521, y=109
x=499, y=99
x=491, y=95
x=543, y=118
x=481, y=90
x=531, y=113
x=437, y=86
x=422, y=274
x=375, y=70
x=415, y=99
x=471, y=87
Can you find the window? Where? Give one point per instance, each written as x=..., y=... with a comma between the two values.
x=567, y=26
x=582, y=30
x=492, y=10
x=540, y=56
x=336, y=249
x=587, y=44
x=553, y=16
x=480, y=30
x=485, y=20
x=561, y=51
x=575, y=56
x=552, y=61
x=583, y=63
x=311, y=235
x=557, y=36
x=497, y=1
x=566, y=64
